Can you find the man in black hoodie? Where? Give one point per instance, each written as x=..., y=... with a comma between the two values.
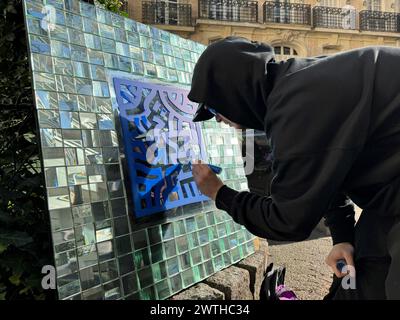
x=334, y=125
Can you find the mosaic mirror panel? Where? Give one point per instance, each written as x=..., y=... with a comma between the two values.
x=112, y=238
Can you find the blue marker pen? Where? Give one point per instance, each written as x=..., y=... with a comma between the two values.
x=214, y=168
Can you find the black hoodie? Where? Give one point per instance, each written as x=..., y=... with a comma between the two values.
x=334, y=124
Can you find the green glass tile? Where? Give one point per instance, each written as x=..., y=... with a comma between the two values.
x=83, y=86
x=81, y=69
x=40, y=44
x=60, y=49
x=188, y=277
x=90, y=277
x=55, y=177
x=59, y=32
x=215, y=248
x=163, y=290
x=95, y=57
x=90, y=26
x=221, y=230
x=233, y=240
x=34, y=27
x=69, y=120
x=203, y=236
x=184, y=260
x=66, y=263
x=108, y=45
x=79, y=194
x=111, y=61
x=51, y=137
x=227, y=258
x=123, y=245
x=102, y=105
x=206, y=251
x=148, y=294
x=133, y=39
x=79, y=53
x=159, y=271
x=170, y=248
x=112, y=290
x=53, y=157
x=65, y=84
x=130, y=283
x=145, y=277
x=73, y=20
x=103, y=16
x=179, y=228
x=226, y=243
x=68, y=285
x=106, y=31
x=201, y=221
x=44, y=81
x=165, y=36
x=176, y=283
x=125, y=64
x=182, y=244
x=87, y=256
x=190, y=224
x=63, y=66
x=193, y=240
x=143, y=29
x=100, y=89
x=196, y=256
x=117, y=20
x=137, y=67
x=42, y=63
x=92, y=42
x=142, y=258
x=120, y=35
x=173, y=266
x=167, y=231
x=235, y=254
x=157, y=253
x=218, y=263
x=46, y=100
x=88, y=10
x=49, y=118
x=209, y=268
x=150, y=69
x=140, y=237
x=82, y=215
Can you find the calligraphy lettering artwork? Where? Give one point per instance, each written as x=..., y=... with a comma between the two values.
x=159, y=140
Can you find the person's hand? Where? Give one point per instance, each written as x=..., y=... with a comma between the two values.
x=206, y=180
x=344, y=251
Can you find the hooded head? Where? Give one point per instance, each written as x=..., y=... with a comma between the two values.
x=231, y=78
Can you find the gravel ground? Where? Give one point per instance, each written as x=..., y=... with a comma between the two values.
x=306, y=272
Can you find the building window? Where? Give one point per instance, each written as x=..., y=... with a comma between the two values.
x=285, y=51
x=374, y=5
x=329, y=3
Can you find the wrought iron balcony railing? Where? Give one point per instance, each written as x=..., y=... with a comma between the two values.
x=334, y=18
x=280, y=12
x=230, y=10
x=379, y=21
x=166, y=12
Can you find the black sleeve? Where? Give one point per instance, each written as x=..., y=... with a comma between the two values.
x=340, y=219
x=302, y=189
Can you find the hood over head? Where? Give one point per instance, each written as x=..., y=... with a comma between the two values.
x=231, y=77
